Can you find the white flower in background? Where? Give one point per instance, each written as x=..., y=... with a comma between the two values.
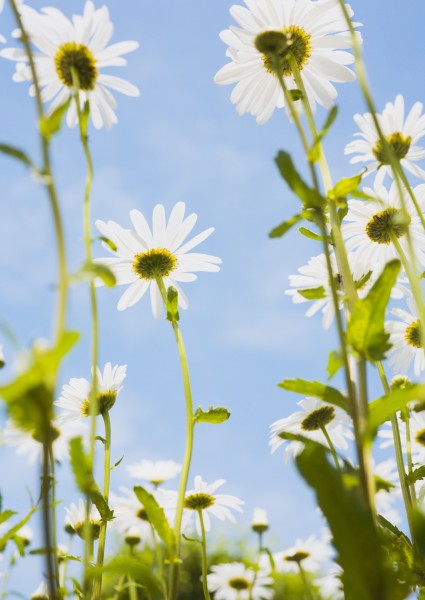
x=388, y=490
x=80, y=44
x=2, y=361
x=311, y=554
x=406, y=340
x=233, y=581
x=28, y=444
x=41, y=593
x=26, y=533
x=76, y=516
x=417, y=436
x=309, y=422
x=156, y=472
x=401, y=133
x=131, y=516
x=317, y=33
x=260, y=521
x=368, y=224
x=75, y=396
x=144, y=255
x=330, y=586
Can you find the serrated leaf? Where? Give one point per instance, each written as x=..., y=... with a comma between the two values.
x=366, y=333
x=382, y=409
x=416, y=475
x=313, y=154
x=157, y=519
x=84, y=478
x=317, y=293
x=316, y=389
x=215, y=415
x=309, y=197
x=18, y=154
x=335, y=363
x=51, y=124
x=284, y=227
x=172, y=305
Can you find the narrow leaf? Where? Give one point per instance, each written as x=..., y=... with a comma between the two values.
x=18, y=154
x=51, y=124
x=309, y=197
x=284, y=227
x=335, y=363
x=316, y=389
x=310, y=234
x=317, y=293
x=416, y=475
x=157, y=519
x=344, y=187
x=6, y=515
x=215, y=415
x=313, y=154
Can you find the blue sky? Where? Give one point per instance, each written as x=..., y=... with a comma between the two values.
x=182, y=140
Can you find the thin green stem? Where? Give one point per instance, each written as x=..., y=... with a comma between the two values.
x=308, y=591
x=132, y=587
x=204, y=556
x=53, y=511
x=406, y=415
x=159, y=562
x=190, y=426
x=331, y=447
x=97, y=585
x=52, y=582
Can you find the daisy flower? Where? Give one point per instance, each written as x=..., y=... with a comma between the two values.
x=315, y=416
x=330, y=585
x=144, y=255
x=28, y=444
x=131, y=516
x=310, y=554
x=417, y=436
x=406, y=340
x=235, y=581
x=401, y=133
x=318, y=38
x=260, y=521
x=368, y=225
x=76, y=517
x=75, y=396
x=80, y=44
x=41, y=593
x=156, y=472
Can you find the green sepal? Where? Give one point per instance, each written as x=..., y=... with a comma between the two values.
x=214, y=415
x=366, y=333
x=313, y=154
x=52, y=123
x=157, y=519
x=316, y=389
x=172, y=305
x=308, y=196
x=317, y=293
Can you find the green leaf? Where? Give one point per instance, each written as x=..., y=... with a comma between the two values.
x=366, y=333
x=317, y=293
x=18, y=154
x=157, y=519
x=14, y=530
x=284, y=227
x=107, y=241
x=51, y=124
x=309, y=197
x=310, y=234
x=316, y=389
x=360, y=283
x=384, y=408
x=133, y=567
x=6, y=515
x=84, y=478
x=335, y=363
x=115, y=465
x=296, y=94
x=172, y=305
x=313, y=154
x=416, y=475
x=368, y=572
x=91, y=271
x=344, y=187
x=215, y=415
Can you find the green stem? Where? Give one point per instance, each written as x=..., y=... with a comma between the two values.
x=305, y=582
x=132, y=589
x=204, y=556
x=52, y=583
x=406, y=414
x=159, y=562
x=190, y=426
x=97, y=585
x=53, y=511
x=331, y=447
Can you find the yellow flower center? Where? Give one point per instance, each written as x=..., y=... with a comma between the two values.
x=158, y=262
x=413, y=335
x=72, y=56
x=387, y=222
x=420, y=437
x=398, y=142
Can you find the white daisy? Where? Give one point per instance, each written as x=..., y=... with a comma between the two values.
x=311, y=554
x=75, y=395
x=145, y=254
x=309, y=422
x=260, y=521
x=235, y=581
x=81, y=43
x=401, y=133
x=368, y=225
x=41, y=593
x=318, y=35
x=76, y=517
x=417, y=436
x=406, y=340
x=156, y=472
x=2, y=361
x=131, y=516
x=330, y=585
x=29, y=444
x=386, y=473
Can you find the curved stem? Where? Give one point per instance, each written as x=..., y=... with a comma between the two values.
x=309, y=595
x=204, y=556
x=331, y=447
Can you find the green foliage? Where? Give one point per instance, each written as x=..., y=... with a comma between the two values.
x=317, y=293
x=108, y=242
x=343, y=188
x=134, y=567
x=366, y=333
x=18, y=154
x=385, y=407
x=284, y=227
x=308, y=196
x=157, y=519
x=91, y=271
x=316, y=389
x=214, y=415
x=335, y=363
x=50, y=124
x=84, y=478
x=313, y=154
x=310, y=234
x=172, y=305
x=13, y=531
x=416, y=475
x=368, y=572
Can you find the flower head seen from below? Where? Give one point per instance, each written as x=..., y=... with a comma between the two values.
x=79, y=48
x=156, y=472
x=310, y=554
x=317, y=420
x=75, y=396
x=311, y=34
x=76, y=516
x=406, y=340
x=144, y=256
x=260, y=521
x=41, y=593
x=401, y=134
x=369, y=227
x=131, y=516
x=235, y=581
x=417, y=436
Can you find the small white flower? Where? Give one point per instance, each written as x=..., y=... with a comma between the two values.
x=330, y=585
x=156, y=472
x=417, y=436
x=145, y=254
x=235, y=581
x=260, y=521
x=315, y=414
x=76, y=516
x=406, y=340
x=368, y=224
x=75, y=396
x=81, y=44
x=41, y=593
x=319, y=37
x=311, y=554
x=131, y=516
x=401, y=133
